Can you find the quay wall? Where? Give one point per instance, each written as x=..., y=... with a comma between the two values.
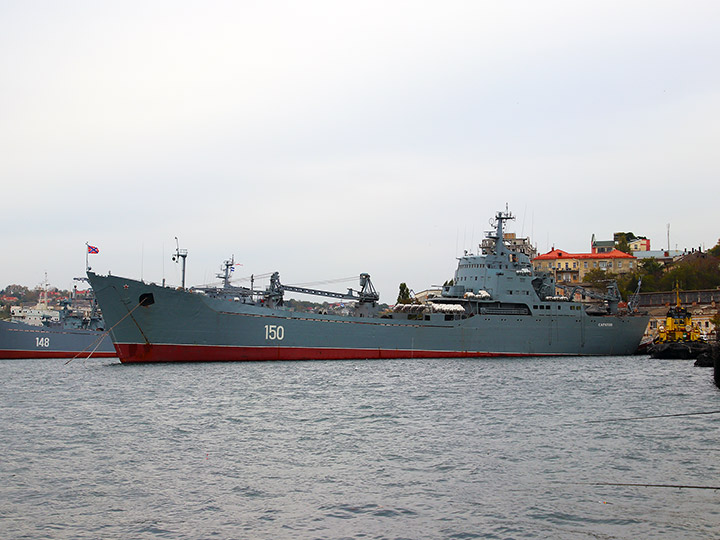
x=709, y=297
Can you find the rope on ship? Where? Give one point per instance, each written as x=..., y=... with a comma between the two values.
x=103, y=335
x=325, y=282
x=673, y=486
x=256, y=277
x=647, y=417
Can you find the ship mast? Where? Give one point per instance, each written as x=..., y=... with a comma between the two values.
x=180, y=253
x=43, y=297
x=499, y=234
x=228, y=266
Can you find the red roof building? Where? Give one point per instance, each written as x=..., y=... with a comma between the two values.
x=572, y=267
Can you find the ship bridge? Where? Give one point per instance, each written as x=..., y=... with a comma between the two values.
x=503, y=274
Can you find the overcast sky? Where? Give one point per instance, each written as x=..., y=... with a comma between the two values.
x=323, y=139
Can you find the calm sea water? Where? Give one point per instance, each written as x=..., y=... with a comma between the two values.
x=415, y=449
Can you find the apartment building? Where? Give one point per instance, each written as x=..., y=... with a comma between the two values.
x=635, y=243
x=572, y=267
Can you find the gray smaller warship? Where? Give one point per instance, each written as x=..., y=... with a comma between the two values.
x=41, y=332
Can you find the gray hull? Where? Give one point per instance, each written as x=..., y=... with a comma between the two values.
x=177, y=325
x=20, y=340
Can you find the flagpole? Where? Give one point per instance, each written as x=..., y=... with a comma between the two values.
x=87, y=250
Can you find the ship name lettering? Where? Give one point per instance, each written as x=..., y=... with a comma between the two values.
x=42, y=341
x=273, y=331
x=605, y=324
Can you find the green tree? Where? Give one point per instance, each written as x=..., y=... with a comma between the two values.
x=627, y=284
x=621, y=242
x=404, y=294
x=651, y=272
x=694, y=273
x=596, y=278
x=651, y=267
x=698, y=271
x=19, y=291
x=715, y=251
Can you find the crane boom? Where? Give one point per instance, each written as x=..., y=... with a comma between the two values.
x=367, y=293
x=612, y=297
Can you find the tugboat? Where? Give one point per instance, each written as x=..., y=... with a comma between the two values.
x=679, y=338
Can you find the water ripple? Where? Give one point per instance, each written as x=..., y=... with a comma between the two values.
x=410, y=449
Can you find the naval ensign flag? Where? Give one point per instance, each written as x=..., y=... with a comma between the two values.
x=90, y=249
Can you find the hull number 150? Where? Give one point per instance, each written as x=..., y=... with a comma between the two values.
x=274, y=331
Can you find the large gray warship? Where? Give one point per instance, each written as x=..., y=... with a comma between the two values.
x=496, y=306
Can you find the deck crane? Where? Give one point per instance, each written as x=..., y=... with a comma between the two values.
x=612, y=297
x=366, y=295
x=635, y=298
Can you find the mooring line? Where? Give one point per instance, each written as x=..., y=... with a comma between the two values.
x=646, y=417
x=675, y=486
x=99, y=340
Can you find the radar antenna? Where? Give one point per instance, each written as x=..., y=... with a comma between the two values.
x=498, y=222
x=228, y=267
